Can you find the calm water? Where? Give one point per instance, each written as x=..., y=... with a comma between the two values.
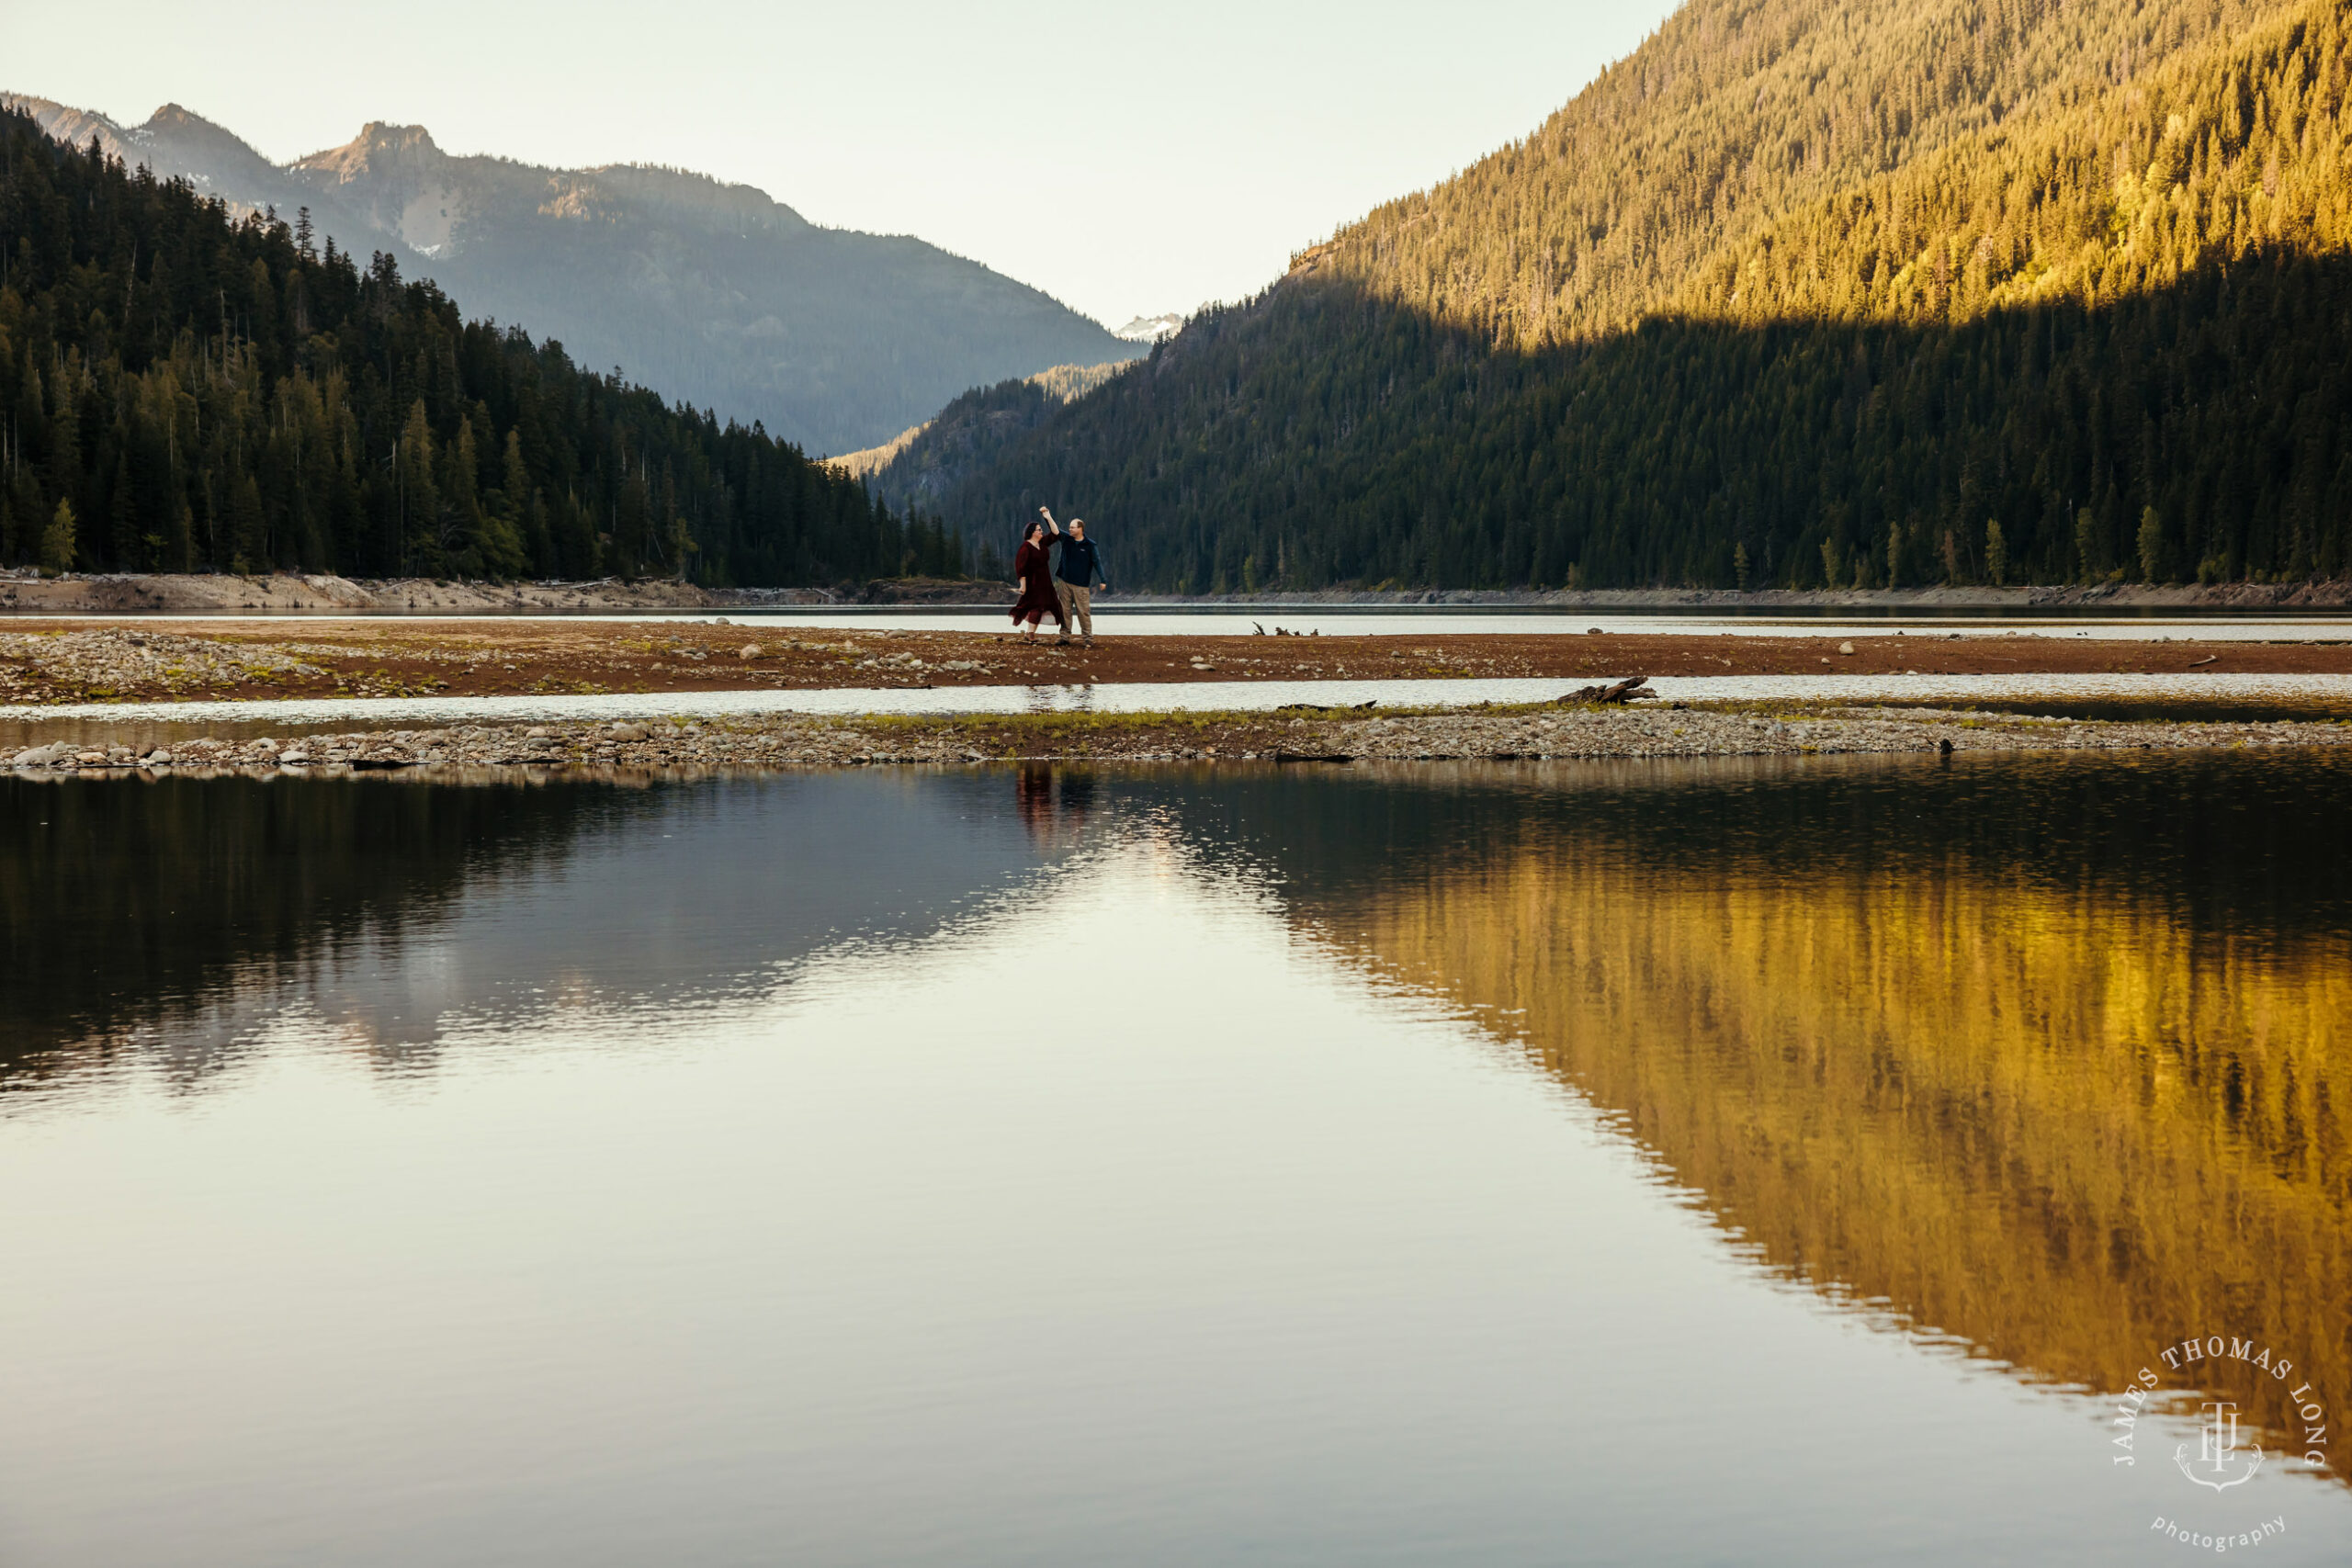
x=1742, y=1163
x=1132, y=618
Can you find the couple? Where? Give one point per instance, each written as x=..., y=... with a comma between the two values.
x=1068, y=590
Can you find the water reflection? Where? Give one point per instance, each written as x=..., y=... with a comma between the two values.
x=173, y=921
x=1054, y=1165
x=1052, y=803
x=2050, y=1055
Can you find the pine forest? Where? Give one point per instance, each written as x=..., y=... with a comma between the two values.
x=180, y=391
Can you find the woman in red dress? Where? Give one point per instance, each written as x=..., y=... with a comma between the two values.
x=1032, y=569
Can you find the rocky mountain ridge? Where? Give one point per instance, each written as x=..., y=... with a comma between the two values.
x=710, y=292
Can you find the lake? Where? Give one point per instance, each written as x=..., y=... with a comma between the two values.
x=1766, y=1161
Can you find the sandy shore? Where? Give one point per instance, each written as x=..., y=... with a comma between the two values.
x=45, y=663
x=1516, y=734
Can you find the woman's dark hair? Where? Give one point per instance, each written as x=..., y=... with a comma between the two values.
x=1032, y=532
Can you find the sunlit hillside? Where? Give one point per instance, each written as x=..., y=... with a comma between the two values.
x=1689, y=155
x=1842, y=292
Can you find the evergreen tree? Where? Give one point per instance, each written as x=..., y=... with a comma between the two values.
x=57, y=541
x=2152, y=544
x=2090, y=547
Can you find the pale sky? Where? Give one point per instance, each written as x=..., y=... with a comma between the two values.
x=1128, y=160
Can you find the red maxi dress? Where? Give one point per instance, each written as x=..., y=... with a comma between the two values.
x=1033, y=568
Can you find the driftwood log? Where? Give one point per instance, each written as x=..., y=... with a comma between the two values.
x=1625, y=691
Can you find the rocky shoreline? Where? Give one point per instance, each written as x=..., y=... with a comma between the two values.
x=1553, y=732
x=51, y=663
x=294, y=593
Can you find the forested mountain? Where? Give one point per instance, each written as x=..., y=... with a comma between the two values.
x=1804, y=291
x=928, y=462
x=707, y=292
x=183, y=390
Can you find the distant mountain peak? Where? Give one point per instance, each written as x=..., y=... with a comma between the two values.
x=1150, y=329
x=177, y=118
x=379, y=147
x=182, y=138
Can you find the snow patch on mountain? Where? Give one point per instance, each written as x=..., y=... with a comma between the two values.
x=1150, y=329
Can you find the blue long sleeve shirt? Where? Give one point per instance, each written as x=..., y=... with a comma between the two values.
x=1081, y=561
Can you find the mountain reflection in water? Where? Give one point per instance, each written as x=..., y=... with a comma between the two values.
x=2045, y=1056
x=185, y=914
x=2052, y=1056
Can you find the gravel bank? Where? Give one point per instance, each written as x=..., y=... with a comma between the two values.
x=1513, y=734
x=63, y=663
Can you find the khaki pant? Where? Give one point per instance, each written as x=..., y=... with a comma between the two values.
x=1078, y=607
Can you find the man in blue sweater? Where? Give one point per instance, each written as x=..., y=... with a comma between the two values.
x=1077, y=572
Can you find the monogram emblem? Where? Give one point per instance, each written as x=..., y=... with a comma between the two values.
x=2217, y=1450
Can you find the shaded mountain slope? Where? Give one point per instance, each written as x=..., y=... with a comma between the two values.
x=2071, y=303
x=712, y=293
